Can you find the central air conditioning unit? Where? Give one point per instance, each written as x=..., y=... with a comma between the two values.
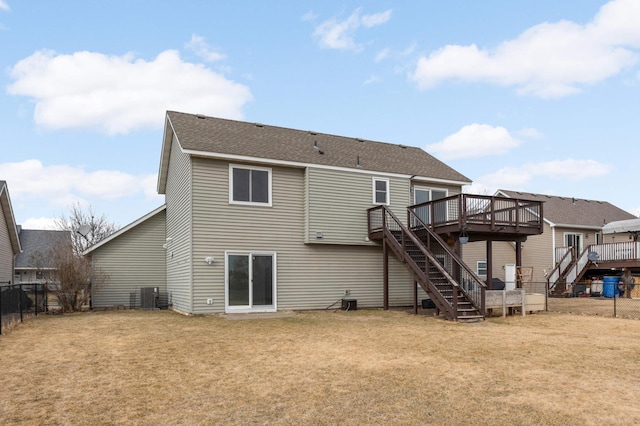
x=149, y=297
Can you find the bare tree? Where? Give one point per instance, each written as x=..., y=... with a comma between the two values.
x=75, y=278
x=74, y=274
x=86, y=227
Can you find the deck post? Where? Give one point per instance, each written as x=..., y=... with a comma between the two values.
x=489, y=266
x=518, y=261
x=385, y=273
x=415, y=298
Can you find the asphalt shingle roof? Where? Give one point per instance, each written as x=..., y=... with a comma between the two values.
x=221, y=136
x=34, y=241
x=574, y=211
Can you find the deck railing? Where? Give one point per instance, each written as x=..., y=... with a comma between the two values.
x=470, y=209
x=609, y=252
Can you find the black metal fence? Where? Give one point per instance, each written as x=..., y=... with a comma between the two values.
x=591, y=298
x=21, y=301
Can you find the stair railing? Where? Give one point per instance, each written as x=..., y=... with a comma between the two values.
x=469, y=283
x=561, y=267
x=579, y=266
x=382, y=219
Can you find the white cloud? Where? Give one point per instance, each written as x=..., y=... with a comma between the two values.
x=383, y=54
x=531, y=133
x=64, y=184
x=200, y=47
x=4, y=6
x=474, y=140
x=119, y=94
x=309, y=16
x=373, y=79
x=335, y=34
x=376, y=18
x=546, y=60
x=409, y=50
x=40, y=223
x=518, y=177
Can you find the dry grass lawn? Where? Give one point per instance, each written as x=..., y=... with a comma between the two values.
x=361, y=367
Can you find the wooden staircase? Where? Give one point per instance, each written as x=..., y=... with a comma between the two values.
x=556, y=279
x=455, y=290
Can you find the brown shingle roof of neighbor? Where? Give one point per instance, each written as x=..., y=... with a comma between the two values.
x=574, y=211
x=198, y=133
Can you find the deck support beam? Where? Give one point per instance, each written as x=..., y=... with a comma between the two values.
x=518, y=262
x=489, y=265
x=385, y=274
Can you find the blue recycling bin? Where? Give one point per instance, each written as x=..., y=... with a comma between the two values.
x=610, y=287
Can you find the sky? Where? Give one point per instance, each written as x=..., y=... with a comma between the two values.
x=539, y=96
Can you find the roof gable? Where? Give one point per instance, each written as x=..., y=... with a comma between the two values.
x=125, y=229
x=7, y=209
x=222, y=138
x=573, y=211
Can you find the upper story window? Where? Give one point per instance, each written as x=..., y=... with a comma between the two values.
x=381, y=191
x=249, y=185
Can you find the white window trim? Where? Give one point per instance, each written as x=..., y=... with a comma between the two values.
x=248, y=167
x=250, y=309
x=478, y=268
x=388, y=197
x=430, y=189
x=582, y=242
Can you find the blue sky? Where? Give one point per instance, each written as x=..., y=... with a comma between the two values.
x=533, y=95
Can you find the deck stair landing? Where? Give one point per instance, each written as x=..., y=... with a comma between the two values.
x=455, y=290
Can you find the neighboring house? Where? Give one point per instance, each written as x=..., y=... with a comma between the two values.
x=132, y=258
x=568, y=222
x=34, y=265
x=9, y=240
x=262, y=218
x=622, y=231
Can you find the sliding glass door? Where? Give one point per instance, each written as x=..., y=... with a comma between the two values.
x=250, y=282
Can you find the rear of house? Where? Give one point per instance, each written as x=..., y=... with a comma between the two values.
x=262, y=218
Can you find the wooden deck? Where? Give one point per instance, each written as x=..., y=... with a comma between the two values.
x=482, y=218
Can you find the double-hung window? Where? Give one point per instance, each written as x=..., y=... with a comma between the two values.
x=381, y=191
x=249, y=185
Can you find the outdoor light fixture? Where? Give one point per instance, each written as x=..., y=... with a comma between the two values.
x=209, y=260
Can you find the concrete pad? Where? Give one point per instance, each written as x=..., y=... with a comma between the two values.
x=261, y=315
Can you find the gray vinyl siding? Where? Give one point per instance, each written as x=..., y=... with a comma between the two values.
x=537, y=252
x=338, y=203
x=179, y=229
x=308, y=276
x=132, y=260
x=6, y=251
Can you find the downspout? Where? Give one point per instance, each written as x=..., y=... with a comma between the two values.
x=553, y=243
